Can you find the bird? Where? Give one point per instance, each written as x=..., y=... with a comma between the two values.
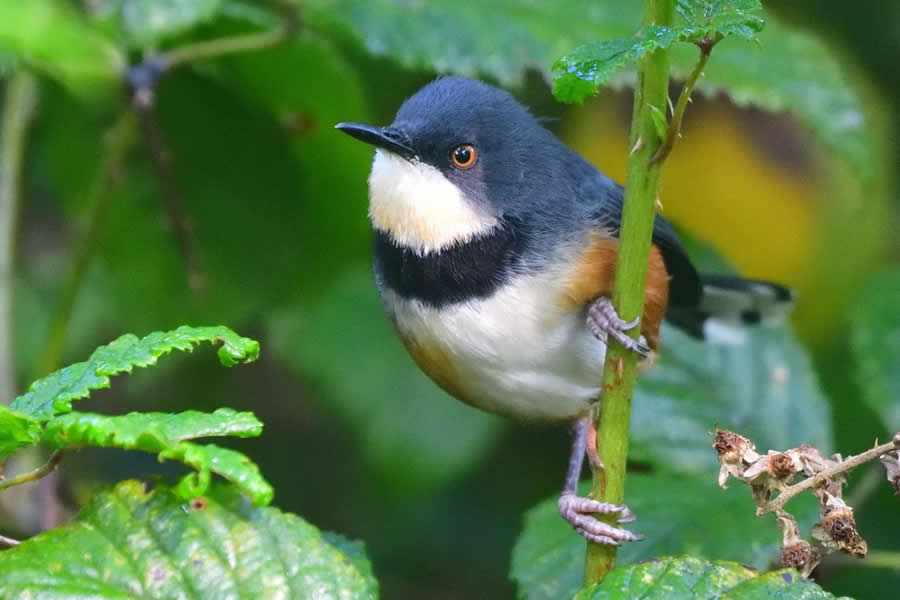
x=494, y=255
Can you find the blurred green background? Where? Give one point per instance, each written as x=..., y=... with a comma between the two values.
x=257, y=219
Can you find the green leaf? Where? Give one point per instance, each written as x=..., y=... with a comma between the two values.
x=765, y=388
x=53, y=394
x=687, y=577
x=130, y=543
x=131, y=430
x=354, y=550
x=164, y=434
x=789, y=70
x=875, y=341
x=581, y=72
x=17, y=430
x=143, y=23
x=50, y=37
x=412, y=433
x=231, y=465
x=722, y=17
x=678, y=513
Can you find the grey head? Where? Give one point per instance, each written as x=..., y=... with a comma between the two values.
x=479, y=138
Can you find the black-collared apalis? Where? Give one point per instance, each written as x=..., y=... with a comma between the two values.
x=495, y=253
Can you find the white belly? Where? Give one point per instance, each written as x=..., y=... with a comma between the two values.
x=518, y=353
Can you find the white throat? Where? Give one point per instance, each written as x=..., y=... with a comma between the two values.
x=419, y=207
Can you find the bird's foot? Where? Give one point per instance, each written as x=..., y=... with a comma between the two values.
x=579, y=513
x=604, y=321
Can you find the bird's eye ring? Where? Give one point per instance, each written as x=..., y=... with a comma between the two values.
x=463, y=156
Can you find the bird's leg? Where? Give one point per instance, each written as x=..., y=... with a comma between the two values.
x=604, y=321
x=579, y=511
x=590, y=443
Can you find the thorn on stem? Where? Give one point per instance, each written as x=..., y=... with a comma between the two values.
x=637, y=145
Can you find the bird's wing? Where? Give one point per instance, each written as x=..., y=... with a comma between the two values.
x=684, y=288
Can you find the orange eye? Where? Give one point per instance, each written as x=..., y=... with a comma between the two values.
x=464, y=156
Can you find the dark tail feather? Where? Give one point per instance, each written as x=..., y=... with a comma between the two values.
x=732, y=301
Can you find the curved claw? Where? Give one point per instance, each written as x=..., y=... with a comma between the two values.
x=604, y=321
x=579, y=513
x=626, y=515
x=639, y=347
x=603, y=311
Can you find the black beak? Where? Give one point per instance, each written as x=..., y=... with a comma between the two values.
x=389, y=138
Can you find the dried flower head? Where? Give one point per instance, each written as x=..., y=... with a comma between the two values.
x=801, y=556
x=770, y=478
x=731, y=446
x=841, y=526
x=781, y=465
x=796, y=552
x=735, y=452
x=837, y=529
x=774, y=465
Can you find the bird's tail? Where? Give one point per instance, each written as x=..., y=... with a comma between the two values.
x=729, y=302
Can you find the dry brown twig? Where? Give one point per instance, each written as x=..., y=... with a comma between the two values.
x=770, y=478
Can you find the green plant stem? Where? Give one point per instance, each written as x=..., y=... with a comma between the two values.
x=673, y=131
x=641, y=184
x=38, y=473
x=18, y=108
x=225, y=45
x=119, y=140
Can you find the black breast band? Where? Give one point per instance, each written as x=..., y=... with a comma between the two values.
x=474, y=269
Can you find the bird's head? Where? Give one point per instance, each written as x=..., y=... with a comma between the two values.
x=459, y=157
